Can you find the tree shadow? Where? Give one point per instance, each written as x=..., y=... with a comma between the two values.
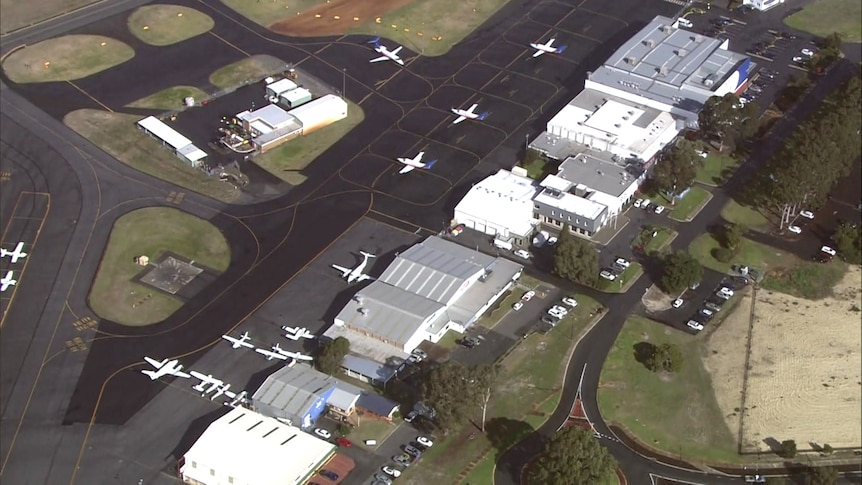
x=643, y=351
x=503, y=433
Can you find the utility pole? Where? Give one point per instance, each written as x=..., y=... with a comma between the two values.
x=344, y=82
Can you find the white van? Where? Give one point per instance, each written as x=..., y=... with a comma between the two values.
x=685, y=23
x=503, y=244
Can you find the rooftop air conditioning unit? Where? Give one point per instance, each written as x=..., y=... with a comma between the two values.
x=649, y=43
x=363, y=311
x=698, y=38
x=662, y=71
x=681, y=52
x=631, y=60
x=666, y=29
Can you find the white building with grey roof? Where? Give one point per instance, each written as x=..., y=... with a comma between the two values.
x=433, y=287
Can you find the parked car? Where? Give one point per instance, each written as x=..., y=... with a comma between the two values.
x=552, y=240
x=522, y=253
x=556, y=314
x=726, y=289
x=550, y=320
x=412, y=451
x=403, y=459
x=706, y=313
x=528, y=295
x=685, y=23
x=456, y=230
x=828, y=250
x=722, y=295
x=392, y=471
x=639, y=203
x=807, y=52
x=712, y=306
x=329, y=474
x=424, y=441
x=343, y=442
x=807, y=214
x=383, y=478
x=560, y=309
x=322, y=433
x=607, y=275
x=795, y=229
x=419, y=355
x=470, y=342
x=658, y=209
x=787, y=35
x=677, y=303
x=622, y=262
x=570, y=302
x=518, y=305
x=695, y=325
x=411, y=416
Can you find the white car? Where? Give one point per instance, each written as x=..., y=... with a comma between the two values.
x=723, y=295
x=552, y=240
x=570, y=302
x=427, y=443
x=522, y=253
x=706, y=313
x=799, y=59
x=695, y=325
x=807, y=214
x=558, y=315
x=725, y=289
x=639, y=203
x=622, y=262
x=703, y=153
x=518, y=305
x=607, y=275
x=807, y=52
x=392, y=472
x=795, y=229
x=528, y=295
x=828, y=250
x=677, y=303
x=658, y=209
x=560, y=309
x=322, y=433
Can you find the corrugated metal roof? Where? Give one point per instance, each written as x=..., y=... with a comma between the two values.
x=295, y=389
x=430, y=272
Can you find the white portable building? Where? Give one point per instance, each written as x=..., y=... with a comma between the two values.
x=320, y=112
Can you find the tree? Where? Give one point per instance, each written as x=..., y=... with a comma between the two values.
x=680, y=270
x=576, y=260
x=677, y=168
x=332, y=354
x=665, y=357
x=848, y=242
x=448, y=390
x=821, y=475
x=827, y=449
x=572, y=457
x=787, y=449
x=483, y=379
x=733, y=235
x=723, y=118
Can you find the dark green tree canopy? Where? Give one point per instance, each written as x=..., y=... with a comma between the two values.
x=821, y=475
x=576, y=260
x=448, y=390
x=724, y=118
x=680, y=270
x=572, y=457
x=332, y=354
x=677, y=168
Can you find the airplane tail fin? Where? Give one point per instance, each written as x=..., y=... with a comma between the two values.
x=3, y=252
x=369, y=255
x=561, y=49
x=149, y=373
x=430, y=164
x=374, y=41
x=483, y=116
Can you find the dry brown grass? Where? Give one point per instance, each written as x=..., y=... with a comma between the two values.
x=66, y=58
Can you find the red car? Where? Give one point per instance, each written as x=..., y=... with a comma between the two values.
x=342, y=441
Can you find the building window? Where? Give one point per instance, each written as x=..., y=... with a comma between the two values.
x=536, y=206
x=552, y=213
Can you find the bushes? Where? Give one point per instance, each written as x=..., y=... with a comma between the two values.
x=723, y=255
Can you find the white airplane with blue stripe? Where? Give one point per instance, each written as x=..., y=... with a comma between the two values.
x=387, y=54
x=543, y=48
x=468, y=114
x=411, y=163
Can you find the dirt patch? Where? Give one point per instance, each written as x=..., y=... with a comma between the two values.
x=655, y=300
x=805, y=370
x=308, y=25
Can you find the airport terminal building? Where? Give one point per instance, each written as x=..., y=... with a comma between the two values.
x=433, y=287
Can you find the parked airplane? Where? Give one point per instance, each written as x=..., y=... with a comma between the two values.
x=164, y=368
x=242, y=341
x=292, y=355
x=223, y=390
x=296, y=333
x=204, y=380
x=270, y=355
x=14, y=255
x=7, y=281
x=468, y=114
x=355, y=274
x=387, y=54
x=411, y=163
x=543, y=48
x=239, y=398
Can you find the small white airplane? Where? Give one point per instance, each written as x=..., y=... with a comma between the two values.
x=292, y=355
x=223, y=390
x=14, y=255
x=355, y=274
x=411, y=163
x=296, y=333
x=270, y=355
x=204, y=380
x=164, y=368
x=543, y=48
x=239, y=398
x=242, y=341
x=468, y=114
x=7, y=281
x=387, y=54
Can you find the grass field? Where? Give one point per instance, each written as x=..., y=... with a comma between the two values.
x=745, y=215
x=117, y=134
x=751, y=253
x=657, y=243
x=65, y=58
x=808, y=280
x=689, y=205
x=619, y=285
x=450, y=21
x=150, y=232
x=824, y=17
x=250, y=69
x=18, y=14
x=169, y=99
x=526, y=393
x=678, y=412
x=288, y=159
x=162, y=25
x=716, y=168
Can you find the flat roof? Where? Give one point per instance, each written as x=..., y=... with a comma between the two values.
x=272, y=115
x=590, y=170
x=295, y=94
x=368, y=368
x=253, y=449
x=281, y=86
x=192, y=153
x=164, y=132
x=499, y=274
x=388, y=312
x=502, y=199
x=571, y=203
x=367, y=346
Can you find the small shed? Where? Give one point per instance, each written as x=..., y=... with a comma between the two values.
x=275, y=89
x=294, y=97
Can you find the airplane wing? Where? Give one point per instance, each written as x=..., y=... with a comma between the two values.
x=538, y=52
x=180, y=374
x=397, y=50
x=155, y=363
x=459, y=119
x=363, y=277
x=152, y=374
x=472, y=109
x=550, y=43
x=203, y=378
x=378, y=59
x=6, y=283
x=407, y=168
x=344, y=271
x=230, y=339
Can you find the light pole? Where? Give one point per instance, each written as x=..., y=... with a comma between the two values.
x=343, y=82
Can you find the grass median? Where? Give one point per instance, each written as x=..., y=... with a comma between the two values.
x=824, y=17
x=716, y=168
x=65, y=58
x=687, y=207
x=162, y=25
x=245, y=71
x=169, y=99
x=750, y=253
x=150, y=232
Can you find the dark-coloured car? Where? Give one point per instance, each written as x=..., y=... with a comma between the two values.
x=329, y=474
x=470, y=342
